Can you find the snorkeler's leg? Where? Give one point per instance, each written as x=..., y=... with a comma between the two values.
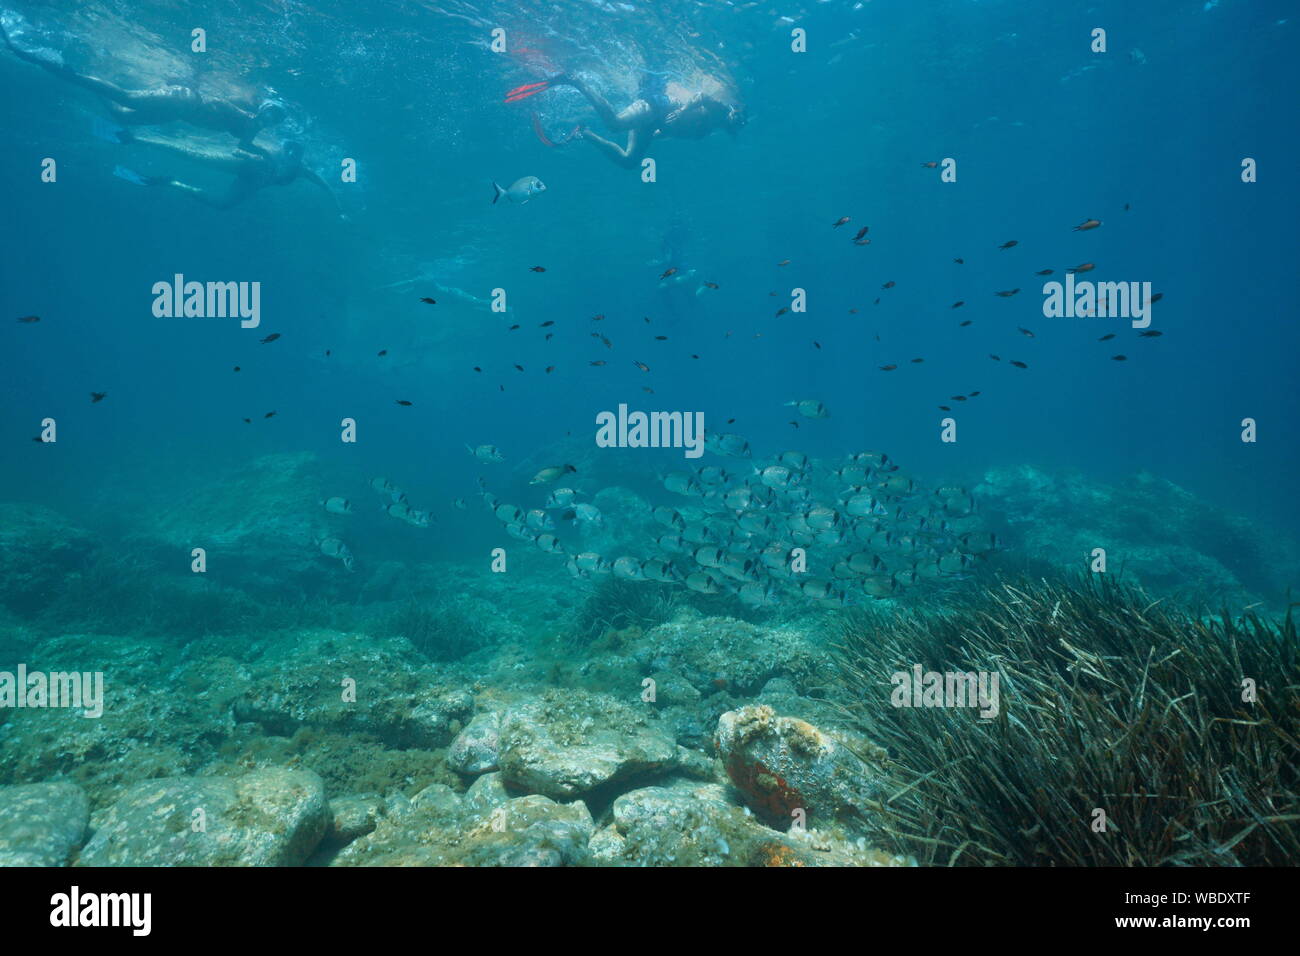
x=601, y=105
x=209, y=157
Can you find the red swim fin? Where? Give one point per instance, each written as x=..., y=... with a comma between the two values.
x=527, y=90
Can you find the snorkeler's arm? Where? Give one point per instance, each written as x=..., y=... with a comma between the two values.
x=311, y=176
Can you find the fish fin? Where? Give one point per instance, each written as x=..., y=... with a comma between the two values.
x=499, y=192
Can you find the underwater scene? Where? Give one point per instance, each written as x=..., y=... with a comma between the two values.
x=671, y=433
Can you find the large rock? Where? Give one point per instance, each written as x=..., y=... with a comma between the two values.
x=476, y=749
x=693, y=824
x=1160, y=535
x=39, y=551
x=782, y=764
x=41, y=824
x=258, y=523
x=484, y=828
x=721, y=653
x=271, y=817
x=567, y=743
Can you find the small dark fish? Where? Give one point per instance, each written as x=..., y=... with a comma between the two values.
x=944, y=408
x=710, y=285
x=1025, y=332
x=512, y=328
x=888, y=285
x=647, y=389
x=957, y=398
x=995, y=357
x=269, y=415
x=327, y=353
x=1107, y=337
x=1157, y=297
x=661, y=338
x=1126, y=207
x=538, y=269
x=933, y=164
x=1008, y=294
x=667, y=273
x=427, y=301
x=862, y=242
x=381, y=353
x=271, y=338
x=606, y=342
x=1019, y=364
x=1087, y=224
x=960, y=262
x=28, y=320
x=547, y=324
x=1085, y=267
x=248, y=421
x=598, y=318
x=917, y=361
x=1044, y=272
x=1008, y=244
x=550, y=369
x=598, y=362
x=877, y=302
x=839, y=222
x=1150, y=334
x=861, y=232
x=694, y=356
x=646, y=319
x=782, y=311
x=888, y=368
x=959, y=303
x=642, y=366
x=1119, y=358
x=519, y=367
x=817, y=344
x=731, y=421
x=783, y=262
x=795, y=424
x=97, y=397
x=477, y=369
x=972, y=394
x=236, y=368
x=404, y=402
x=962, y=325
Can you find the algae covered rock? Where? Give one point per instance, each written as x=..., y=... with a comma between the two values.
x=782, y=765
x=258, y=523
x=567, y=743
x=475, y=749
x=271, y=817
x=41, y=824
x=483, y=829
x=39, y=549
x=721, y=653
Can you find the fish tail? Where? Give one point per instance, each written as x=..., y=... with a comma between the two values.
x=499, y=191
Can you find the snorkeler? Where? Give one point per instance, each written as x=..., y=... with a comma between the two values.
x=660, y=109
x=167, y=103
x=253, y=171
